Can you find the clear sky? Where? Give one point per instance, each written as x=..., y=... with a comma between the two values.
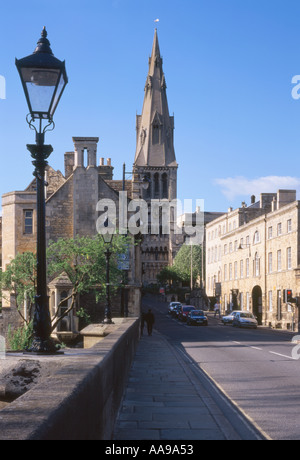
x=229, y=66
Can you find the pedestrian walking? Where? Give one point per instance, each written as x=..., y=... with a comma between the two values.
x=217, y=308
x=150, y=321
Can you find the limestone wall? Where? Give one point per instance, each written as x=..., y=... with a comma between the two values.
x=81, y=400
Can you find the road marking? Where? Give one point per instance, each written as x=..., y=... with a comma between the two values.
x=260, y=349
x=279, y=354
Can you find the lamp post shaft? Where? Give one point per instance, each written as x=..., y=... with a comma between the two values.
x=42, y=342
x=41, y=227
x=107, y=313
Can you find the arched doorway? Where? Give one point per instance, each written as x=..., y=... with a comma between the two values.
x=257, y=303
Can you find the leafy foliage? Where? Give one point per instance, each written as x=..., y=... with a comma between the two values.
x=182, y=263
x=82, y=259
x=180, y=272
x=19, y=279
x=21, y=338
x=169, y=275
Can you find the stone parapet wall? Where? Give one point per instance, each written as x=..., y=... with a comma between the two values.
x=81, y=400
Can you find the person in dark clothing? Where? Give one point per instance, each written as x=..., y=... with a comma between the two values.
x=150, y=321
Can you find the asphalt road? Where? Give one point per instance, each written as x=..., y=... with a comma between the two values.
x=253, y=368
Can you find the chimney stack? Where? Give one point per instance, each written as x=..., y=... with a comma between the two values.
x=106, y=171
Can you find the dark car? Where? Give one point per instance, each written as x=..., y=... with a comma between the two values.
x=197, y=318
x=184, y=312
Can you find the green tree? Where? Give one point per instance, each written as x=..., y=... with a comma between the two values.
x=169, y=275
x=188, y=257
x=81, y=258
x=19, y=280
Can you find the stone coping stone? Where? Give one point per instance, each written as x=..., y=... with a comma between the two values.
x=102, y=330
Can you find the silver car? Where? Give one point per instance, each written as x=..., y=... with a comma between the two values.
x=173, y=305
x=245, y=319
x=228, y=319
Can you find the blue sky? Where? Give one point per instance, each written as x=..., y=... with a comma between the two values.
x=229, y=67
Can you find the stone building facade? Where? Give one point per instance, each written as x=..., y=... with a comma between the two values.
x=71, y=210
x=253, y=255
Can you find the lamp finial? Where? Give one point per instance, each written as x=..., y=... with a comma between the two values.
x=43, y=45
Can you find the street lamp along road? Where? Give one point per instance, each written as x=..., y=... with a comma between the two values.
x=107, y=238
x=44, y=79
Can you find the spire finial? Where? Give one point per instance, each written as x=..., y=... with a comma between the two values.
x=44, y=32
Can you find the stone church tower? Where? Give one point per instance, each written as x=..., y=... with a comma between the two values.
x=155, y=158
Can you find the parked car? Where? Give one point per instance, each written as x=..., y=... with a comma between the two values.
x=197, y=318
x=176, y=310
x=228, y=319
x=173, y=305
x=184, y=312
x=245, y=319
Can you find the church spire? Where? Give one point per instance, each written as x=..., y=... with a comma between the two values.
x=155, y=127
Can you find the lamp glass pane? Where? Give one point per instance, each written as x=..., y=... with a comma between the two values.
x=40, y=84
x=107, y=237
x=60, y=89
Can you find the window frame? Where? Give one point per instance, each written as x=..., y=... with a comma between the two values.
x=26, y=225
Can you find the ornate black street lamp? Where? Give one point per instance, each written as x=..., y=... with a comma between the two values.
x=107, y=238
x=44, y=79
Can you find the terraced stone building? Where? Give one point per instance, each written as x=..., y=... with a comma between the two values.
x=253, y=255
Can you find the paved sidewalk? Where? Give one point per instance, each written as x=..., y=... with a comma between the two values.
x=163, y=401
